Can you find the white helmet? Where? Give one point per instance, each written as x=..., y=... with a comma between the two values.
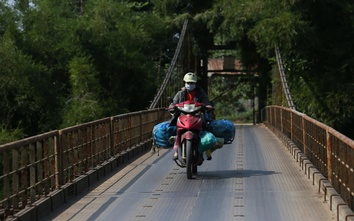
x=190, y=77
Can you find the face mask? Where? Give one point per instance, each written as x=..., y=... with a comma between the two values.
x=190, y=87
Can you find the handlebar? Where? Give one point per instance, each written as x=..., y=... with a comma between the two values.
x=174, y=108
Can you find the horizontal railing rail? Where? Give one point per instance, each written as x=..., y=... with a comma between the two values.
x=329, y=151
x=33, y=167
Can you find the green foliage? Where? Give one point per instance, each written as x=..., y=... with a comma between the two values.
x=64, y=63
x=173, y=8
x=7, y=136
x=24, y=88
x=199, y=16
x=241, y=117
x=83, y=105
x=7, y=19
x=125, y=45
x=322, y=61
x=231, y=97
x=315, y=38
x=280, y=30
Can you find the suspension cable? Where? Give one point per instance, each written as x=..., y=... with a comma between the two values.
x=170, y=69
x=283, y=79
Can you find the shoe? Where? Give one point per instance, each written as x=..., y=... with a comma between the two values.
x=153, y=150
x=207, y=155
x=175, y=156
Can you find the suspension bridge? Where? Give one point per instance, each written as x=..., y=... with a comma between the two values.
x=284, y=166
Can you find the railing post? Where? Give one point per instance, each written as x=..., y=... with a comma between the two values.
x=60, y=176
x=32, y=173
x=15, y=177
x=281, y=121
x=304, y=135
x=329, y=156
x=263, y=113
x=111, y=135
x=291, y=126
x=24, y=175
x=272, y=116
x=274, y=120
x=140, y=126
x=7, y=186
x=39, y=170
x=56, y=159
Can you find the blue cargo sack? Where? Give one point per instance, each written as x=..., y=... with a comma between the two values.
x=207, y=141
x=223, y=129
x=162, y=132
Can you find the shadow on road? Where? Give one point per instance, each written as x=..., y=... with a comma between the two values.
x=226, y=174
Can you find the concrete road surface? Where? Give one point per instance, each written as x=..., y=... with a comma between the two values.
x=253, y=179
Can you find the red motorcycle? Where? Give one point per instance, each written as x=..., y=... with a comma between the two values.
x=190, y=122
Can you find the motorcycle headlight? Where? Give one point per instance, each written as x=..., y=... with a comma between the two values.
x=189, y=108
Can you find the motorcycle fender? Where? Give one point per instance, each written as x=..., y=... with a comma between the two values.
x=189, y=135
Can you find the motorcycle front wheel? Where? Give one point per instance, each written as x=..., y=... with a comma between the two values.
x=189, y=159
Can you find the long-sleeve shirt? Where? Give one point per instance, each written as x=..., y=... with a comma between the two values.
x=200, y=96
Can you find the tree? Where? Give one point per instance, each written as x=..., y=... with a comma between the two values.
x=307, y=33
x=71, y=66
x=125, y=47
x=84, y=104
x=24, y=89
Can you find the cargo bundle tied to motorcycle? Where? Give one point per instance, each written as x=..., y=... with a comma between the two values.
x=223, y=129
x=162, y=133
x=207, y=141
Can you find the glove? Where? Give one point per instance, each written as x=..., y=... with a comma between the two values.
x=209, y=107
x=171, y=108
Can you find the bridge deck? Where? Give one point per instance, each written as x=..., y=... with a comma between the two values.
x=253, y=179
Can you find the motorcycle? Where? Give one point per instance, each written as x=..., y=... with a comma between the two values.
x=190, y=122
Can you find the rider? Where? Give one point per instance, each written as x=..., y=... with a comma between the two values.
x=190, y=92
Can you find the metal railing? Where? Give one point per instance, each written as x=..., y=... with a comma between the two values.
x=328, y=150
x=35, y=166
